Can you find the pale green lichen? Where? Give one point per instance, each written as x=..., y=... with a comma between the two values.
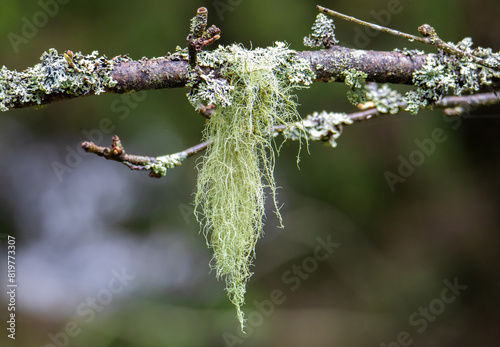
x=409, y=52
x=76, y=74
x=210, y=90
x=166, y=162
x=444, y=74
x=415, y=101
x=385, y=99
x=288, y=66
x=206, y=89
x=198, y=23
x=355, y=80
x=323, y=126
x=238, y=165
x=323, y=33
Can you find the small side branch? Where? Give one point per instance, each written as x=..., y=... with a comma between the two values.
x=207, y=111
x=483, y=99
x=157, y=166
x=197, y=148
x=371, y=25
x=451, y=105
x=429, y=34
x=325, y=127
x=457, y=105
x=116, y=152
x=198, y=37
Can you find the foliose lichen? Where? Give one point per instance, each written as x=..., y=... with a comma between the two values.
x=324, y=126
x=355, y=80
x=210, y=90
x=71, y=73
x=444, y=74
x=385, y=99
x=323, y=33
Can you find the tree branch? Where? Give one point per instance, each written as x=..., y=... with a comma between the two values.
x=172, y=72
x=429, y=33
x=157, y=165
x=381, y=67
x=324, y=127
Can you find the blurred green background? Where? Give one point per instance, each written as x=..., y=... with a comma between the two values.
x=76, y=232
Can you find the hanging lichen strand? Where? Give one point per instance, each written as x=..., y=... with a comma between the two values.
x=238, y=166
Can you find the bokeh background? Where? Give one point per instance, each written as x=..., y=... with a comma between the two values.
x=76, y=230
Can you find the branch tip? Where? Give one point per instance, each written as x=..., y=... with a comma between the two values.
x=199, y=37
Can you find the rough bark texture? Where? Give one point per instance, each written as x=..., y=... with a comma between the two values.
x=328, y=65
x=146, y=74
x=381, y=67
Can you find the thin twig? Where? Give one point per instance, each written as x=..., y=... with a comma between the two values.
x=138, y=162
x=483, y=99
x=197, y=148
x=199, y=38
x=371, y=25
x=429, y=33
x=465, y=102
x=116, y=152
x=367, y=114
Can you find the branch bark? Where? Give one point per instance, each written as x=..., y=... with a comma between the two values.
x=380, y=66
x=328, y=65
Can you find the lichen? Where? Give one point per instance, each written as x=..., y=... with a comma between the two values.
x=237, y=168
x=323, y=126
x=71, y=73
x=409, y=52
x=444, y=74
x=199, y=22
x=355, y=80
x=323, y=33
x=166, y=162
x=210, y=90
x=385, y=99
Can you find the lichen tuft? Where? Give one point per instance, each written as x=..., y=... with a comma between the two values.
x=237, y=168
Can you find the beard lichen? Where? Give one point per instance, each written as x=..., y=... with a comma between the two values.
x=237, y=169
